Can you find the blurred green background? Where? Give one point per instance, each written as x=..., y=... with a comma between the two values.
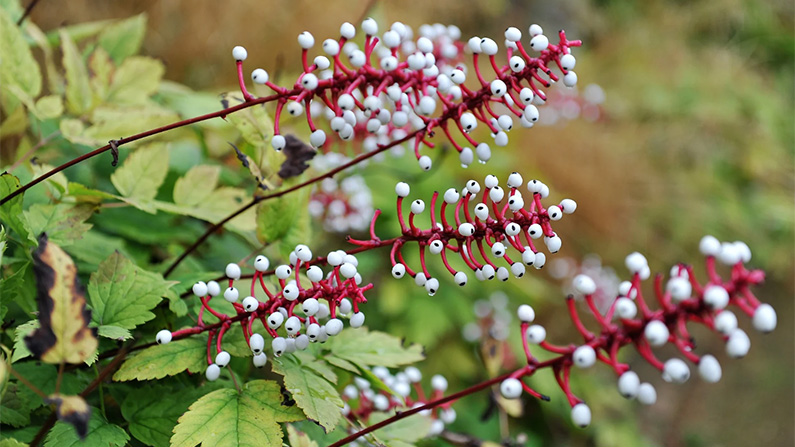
x=696, y=137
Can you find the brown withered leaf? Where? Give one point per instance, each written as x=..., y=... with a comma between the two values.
x=63, y=335
x=73, y=410
x=297, y=153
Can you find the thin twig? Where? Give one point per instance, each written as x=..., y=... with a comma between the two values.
x=274, y=195
x=27, y=12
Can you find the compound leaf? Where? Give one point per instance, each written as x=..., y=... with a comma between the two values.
x=123, y=294
x=313, y=394
x=63, y=335
x=366, y=348
x=159, y=361
x=231, y=419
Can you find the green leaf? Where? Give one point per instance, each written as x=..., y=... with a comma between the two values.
x=152, y=412
x=123, y=38
x=19, y=68
x=11, y=212
x=408, y=430
x=366, y=348
x=63, y=223
x=276, y=218
x=122, y=294
x=14, y=406
x=101, y=433
x=48, y=107
x=299, y=439
x=84, y=194
x=197, y=185
x=3, y=244
x=230, y=419
x=116, y=121
x=114, y=332
x=141, y=175
x=102, y=69
x=78, y=90
x=11, y=442
x=312, y=393
x=18, y=287
x=160, y=361
x=136, y=80
x=20, y=332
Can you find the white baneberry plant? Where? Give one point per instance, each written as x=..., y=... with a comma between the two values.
x=239, y=354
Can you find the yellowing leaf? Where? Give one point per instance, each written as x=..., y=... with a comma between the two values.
x=11, y=442
x=63, y=335
x=226, y=418
x=409, y=430
x=123, y=294
x=102, y=69
x=160, y=361
x=78, y=91
x=136, y=80
x=141, y=174
x=114, y=122
x=73, y=410
x=298, y=438
x=100, y=433
x=123, y=38
x=196, y=186
x=312, y=393
x=49, y=106
x=19, y=69
x=365, y=348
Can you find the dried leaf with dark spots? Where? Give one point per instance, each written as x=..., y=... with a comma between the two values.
x=63, y=335
x=73, y=410
x=297, y=153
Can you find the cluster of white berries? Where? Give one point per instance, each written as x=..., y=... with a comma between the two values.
x=683, y=300
x=361, y=399
x=342, y=205
x=485, y=236
x=403, y=90
x=303, y=301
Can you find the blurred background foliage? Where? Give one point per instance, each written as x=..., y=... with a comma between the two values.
x=695, y=137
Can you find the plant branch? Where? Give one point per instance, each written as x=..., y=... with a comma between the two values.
x=430, y=405
x=27, y=12
x=148, y=133
x=277, y=194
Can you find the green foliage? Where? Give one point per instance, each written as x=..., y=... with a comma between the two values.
x=313, y=393
x=364, y=348
x=227, y=417
x=20, y=71
x=101, y=433
x=160, y=361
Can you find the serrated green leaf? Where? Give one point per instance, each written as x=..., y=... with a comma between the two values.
x=317, y=365
x=63, y=223
x=101, y=69
x=122, y=294
x=141, y=175
x=14, y=407
x=11, y=442
x=114, y=122
x=408, y=430
x=135, y=80
x=363, y=347
x=226, y=418
x=20, y=332
x=152, y=412
x=18, y=287
x=196, y=185
x=276, y=218
x=101, y=433
x=19, y=67
x=114, y=332
x=48, y=107
x=123, y=38
x=78, y=90
x=312, y=393
x=341, y=363
x=160, y=361
x=11, y=212
x=299, y=439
